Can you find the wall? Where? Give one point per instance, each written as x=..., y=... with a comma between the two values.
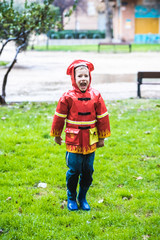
x=131, y=22
x=128, y=21
x=147, y=27
x=84, y=20
x=123, y=21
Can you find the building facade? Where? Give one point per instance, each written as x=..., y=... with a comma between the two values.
x=137, y=21
x=147, y=22
x=132, y=20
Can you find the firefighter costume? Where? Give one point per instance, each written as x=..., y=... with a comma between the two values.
x=87, y=121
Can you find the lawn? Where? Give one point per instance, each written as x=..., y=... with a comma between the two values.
x=94, y=48
x=124, y=196
x=2, y=63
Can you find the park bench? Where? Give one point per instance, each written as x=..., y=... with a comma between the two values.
x=115, y=44
x=142, y=75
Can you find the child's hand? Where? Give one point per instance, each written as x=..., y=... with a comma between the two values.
x=100, y=143
x=58, y=140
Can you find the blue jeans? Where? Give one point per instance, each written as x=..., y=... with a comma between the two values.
x=80, y=168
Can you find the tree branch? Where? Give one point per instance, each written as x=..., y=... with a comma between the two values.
x=7, y=41
x=9, y=69
x=13, y=39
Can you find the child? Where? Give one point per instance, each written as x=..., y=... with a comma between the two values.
x=87, y=124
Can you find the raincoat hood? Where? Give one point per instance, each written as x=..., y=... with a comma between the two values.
x=75, y=64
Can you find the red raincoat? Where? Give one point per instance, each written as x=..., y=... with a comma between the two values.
x=85, y=114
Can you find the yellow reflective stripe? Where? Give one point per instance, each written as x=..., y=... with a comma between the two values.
x=61, y=115
x=103, y=115
x=80, y=123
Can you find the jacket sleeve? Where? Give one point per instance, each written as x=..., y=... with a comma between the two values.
x=103, y=124
x=59, y=117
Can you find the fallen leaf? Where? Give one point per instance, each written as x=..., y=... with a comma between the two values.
x=20, y=210
x=9, y=198
x=139, y=178
x=148, y=132
x=145, y=158
x=149, y=214
x=125, y=198
x=101, y=200
x=88, y=222
x=135, y=214
x=120, y=185
x=42, y=185
x=145, y=237
x=49, y=117
x=64, y=203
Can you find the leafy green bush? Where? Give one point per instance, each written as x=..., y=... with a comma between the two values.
x=67, y=34
x=2, y=63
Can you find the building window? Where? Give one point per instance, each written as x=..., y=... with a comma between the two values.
x=91, y=9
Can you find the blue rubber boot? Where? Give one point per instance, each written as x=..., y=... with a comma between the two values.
x=71, y=203
x=82, y=199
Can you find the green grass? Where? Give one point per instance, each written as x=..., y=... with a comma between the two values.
x=94, y=48
x=123, y=207
x=2, y=63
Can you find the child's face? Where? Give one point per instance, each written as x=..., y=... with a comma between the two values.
x=82, y=78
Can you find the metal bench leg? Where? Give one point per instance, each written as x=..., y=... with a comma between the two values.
x=98, y=48
x=139, y=90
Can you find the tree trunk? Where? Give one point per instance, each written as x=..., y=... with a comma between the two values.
x=5, y=43
x=21, y=37
x=108, y=22
x=62, y=20
x=2, y=97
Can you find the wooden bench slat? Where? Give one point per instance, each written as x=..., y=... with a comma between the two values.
x=142, y=75
x=149, y=74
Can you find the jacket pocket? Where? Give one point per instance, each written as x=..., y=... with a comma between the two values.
x=93, y=136
x=72, y=136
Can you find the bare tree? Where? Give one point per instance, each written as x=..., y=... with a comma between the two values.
x=63, y=5
x=104, y=6
x=19, y=25
x=108, y=21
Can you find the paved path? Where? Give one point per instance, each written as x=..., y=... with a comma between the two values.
x=41, y=76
